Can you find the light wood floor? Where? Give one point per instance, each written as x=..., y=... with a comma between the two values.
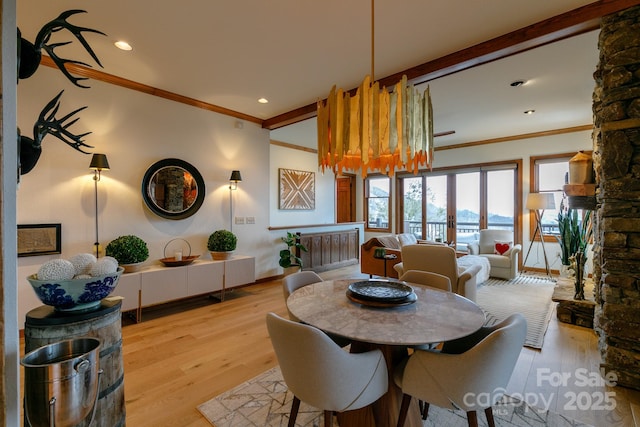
x=181, y=356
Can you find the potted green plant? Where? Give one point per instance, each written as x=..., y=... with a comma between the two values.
x=130, y=251
x=288, y=257
x=221, y=243
x=575, y=234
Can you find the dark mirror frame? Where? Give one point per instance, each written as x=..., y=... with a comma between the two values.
x=151, y=203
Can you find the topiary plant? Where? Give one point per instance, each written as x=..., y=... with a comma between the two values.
x=222, y=241
x=128, y=249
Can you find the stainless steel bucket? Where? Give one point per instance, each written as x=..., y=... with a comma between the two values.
x=61, y=382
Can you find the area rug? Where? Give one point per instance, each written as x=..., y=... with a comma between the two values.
x=526, y=294
x=265, y=401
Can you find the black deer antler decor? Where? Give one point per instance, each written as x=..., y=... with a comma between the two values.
x=29, y=57
x=30, y=54
x=30, y=149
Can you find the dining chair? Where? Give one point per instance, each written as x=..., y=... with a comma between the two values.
x=296, y=281
x=427, y=278
x=464, y=372
x=323, y=375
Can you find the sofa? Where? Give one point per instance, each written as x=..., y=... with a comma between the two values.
x=498, y=247
x=392, y=244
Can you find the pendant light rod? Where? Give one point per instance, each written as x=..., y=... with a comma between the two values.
x=373, y=79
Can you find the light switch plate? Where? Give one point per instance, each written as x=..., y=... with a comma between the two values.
x=251, y=220
x=239, y=220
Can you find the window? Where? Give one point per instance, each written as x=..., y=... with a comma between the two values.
x=548, y=175
x=452, y=204
x=378, y=203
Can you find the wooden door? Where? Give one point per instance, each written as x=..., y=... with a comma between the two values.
x=345, y=199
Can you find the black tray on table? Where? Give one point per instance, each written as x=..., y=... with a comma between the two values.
x=381, y=293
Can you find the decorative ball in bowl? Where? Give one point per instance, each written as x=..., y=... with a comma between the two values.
x=74, y=295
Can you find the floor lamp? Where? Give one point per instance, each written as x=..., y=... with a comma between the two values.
x=233, y=185
x=538, y=202
x=99, y=163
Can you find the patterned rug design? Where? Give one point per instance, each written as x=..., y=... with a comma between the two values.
x=527, y=294
x=264, y=401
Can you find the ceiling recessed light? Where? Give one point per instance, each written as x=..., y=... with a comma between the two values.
x=529, y=112
x=517, y=83
x=263, y=100
x=123, y=45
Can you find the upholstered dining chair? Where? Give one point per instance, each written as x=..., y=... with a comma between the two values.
x=296, y=281
x=323, y=375
x=427, y=278
x=440, y=259
x=465, y=369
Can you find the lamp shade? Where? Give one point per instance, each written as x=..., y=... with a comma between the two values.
x=99, y=162
x=235, y=176
x=540, y=201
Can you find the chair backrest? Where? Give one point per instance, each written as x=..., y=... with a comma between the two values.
x=458, y=380
x=427, y=278
x=320, y=373
x=438, y=259
x=489, y=237
x=297, y=280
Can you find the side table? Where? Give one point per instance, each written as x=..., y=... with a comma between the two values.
x=384, y=259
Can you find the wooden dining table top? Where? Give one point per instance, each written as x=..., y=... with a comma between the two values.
x=435, y=316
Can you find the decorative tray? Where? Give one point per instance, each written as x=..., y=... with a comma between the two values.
x=172, y=262
x=381, y=293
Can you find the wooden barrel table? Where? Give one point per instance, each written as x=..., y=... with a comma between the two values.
x=44, y=325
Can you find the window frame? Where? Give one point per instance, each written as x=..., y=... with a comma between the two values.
x=534, y=186
x=367, y=180
x=450, y=171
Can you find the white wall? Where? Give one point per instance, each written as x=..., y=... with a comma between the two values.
x=135, y=130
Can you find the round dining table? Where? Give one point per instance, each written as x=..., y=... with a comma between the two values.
x=430, y=316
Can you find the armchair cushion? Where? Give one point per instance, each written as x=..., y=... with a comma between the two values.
x=502, y=247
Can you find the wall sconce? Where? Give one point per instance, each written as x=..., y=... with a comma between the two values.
x=98, y=163
x=233, y=185
x=234, y=179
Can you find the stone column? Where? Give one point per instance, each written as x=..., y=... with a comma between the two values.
x=616, y=107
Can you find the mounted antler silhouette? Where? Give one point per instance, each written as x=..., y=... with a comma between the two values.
x=30, y=54
x=47, y=124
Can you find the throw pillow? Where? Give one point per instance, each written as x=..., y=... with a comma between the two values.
x=501, y=247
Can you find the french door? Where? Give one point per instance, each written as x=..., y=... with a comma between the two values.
x=453, y=205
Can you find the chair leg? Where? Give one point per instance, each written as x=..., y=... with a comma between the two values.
x=488, y=412
x=404, y=408
x=295, y=405
x=424, y=410
x=328, y=418
x=472, y=418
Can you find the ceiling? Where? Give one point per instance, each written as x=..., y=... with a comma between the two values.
x=230, y=53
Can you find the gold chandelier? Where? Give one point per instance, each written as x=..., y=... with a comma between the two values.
x=375, y=129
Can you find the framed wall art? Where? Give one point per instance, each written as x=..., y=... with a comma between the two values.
x=297, y=189
x=39, y=239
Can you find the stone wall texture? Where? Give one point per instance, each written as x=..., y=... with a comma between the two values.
x=616, y=108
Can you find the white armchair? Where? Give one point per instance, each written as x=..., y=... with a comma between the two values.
x=491, y=243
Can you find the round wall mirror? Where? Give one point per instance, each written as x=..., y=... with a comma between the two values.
x=173, y=189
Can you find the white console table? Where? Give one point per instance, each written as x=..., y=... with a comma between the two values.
x=157, y=284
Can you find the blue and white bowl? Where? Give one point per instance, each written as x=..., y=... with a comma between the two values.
x=75, y=294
